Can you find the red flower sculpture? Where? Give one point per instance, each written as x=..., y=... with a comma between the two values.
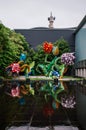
x=47, y=47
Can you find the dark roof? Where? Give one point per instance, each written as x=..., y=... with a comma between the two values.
x=80, y=25
x=36, y=36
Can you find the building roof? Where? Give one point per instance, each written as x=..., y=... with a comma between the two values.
x=80, y=25
x=38, y=35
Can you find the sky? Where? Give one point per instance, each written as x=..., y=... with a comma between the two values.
x=26, y=14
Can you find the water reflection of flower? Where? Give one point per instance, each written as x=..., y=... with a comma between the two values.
x=48, y=110
x=15, y=92
x=68, y=101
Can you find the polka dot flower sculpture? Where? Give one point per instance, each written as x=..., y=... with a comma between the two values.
x=47, y=47
x=67, y=58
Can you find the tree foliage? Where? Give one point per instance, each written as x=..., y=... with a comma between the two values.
x=63, y=46
x=12, y=44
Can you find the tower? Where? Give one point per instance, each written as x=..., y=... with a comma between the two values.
x=51, y=21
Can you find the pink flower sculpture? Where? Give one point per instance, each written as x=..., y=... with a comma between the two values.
x=15, y=67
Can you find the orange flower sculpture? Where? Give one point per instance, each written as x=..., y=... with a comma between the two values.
x=47, y=47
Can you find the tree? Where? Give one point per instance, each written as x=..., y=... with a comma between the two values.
x=12, y=44
x=62, y=45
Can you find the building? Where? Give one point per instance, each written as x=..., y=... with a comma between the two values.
x=80, y=48
x=36, y=36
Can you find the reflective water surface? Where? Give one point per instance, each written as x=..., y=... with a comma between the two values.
x=48, y=105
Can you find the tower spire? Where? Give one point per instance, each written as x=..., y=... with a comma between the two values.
x=51, y=21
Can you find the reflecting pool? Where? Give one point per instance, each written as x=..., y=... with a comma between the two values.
x=48, y=105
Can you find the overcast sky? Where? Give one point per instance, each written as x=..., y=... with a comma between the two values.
x=27, y=14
